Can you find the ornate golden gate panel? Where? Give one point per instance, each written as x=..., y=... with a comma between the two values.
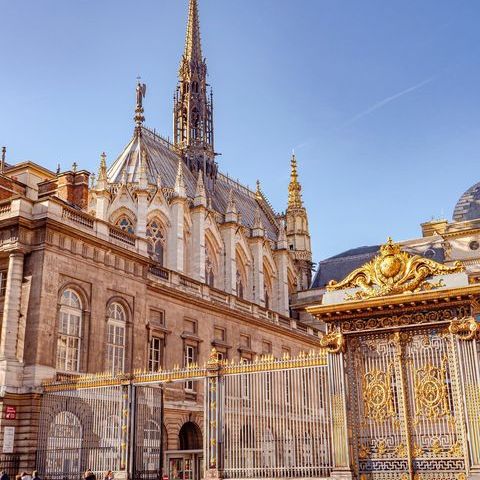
x=405, y=405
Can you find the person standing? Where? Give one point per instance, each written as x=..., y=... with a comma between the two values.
x=89, y=475
x=108, y=475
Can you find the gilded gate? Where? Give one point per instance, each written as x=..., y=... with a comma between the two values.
x=407, y=397
x=406, y=334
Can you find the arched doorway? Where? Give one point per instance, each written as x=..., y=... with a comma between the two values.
x=190, y=437
x=186, y=463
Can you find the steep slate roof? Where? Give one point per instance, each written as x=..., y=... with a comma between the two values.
x=468, y=206
x=162, y=161
x=339, y=266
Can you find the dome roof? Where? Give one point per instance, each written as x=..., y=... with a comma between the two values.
x=468, y=206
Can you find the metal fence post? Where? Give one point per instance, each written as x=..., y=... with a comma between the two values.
x=334, y=343
x=213, y=408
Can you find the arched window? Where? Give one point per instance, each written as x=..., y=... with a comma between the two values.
x=125, y=224
x=65, y=435
x=210, y=268
x=240, y=286
x=209, y=273
x=69, y=332
x=116, y=332
x=156, y=240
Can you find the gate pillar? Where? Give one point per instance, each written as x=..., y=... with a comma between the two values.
x=466, y=332
x=334, y=343
x=212, y=417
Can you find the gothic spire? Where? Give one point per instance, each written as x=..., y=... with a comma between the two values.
x=294, y=188
x=193, y=106
x=193, y=46
x=200, y=195
x=102, y=171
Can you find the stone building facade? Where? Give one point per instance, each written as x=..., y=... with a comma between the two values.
x=147, y=265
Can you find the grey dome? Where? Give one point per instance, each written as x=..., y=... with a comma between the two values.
x=468, y=206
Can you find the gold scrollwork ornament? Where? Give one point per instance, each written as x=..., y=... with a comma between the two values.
x=465, y=328
x=431, y=391
x=393, y=272
x=333, y=342
x=377, y=394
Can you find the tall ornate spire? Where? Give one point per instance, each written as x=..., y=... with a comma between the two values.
x=193, y=46
x=298, y=235
x=193, y=107
x=294, y=188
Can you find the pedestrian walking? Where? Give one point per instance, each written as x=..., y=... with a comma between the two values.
x=89, y=475
x=25, y=476
x=4, y=475
x=34, y=475
x=108, y=475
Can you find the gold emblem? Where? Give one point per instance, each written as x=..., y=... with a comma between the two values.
x=377, y=394
x=392, y=272
x=436, y=447
x=417, y=451
x=401, y=451
x=381, y=449
x=363, y=452
x=431, y=396
x=456, y=450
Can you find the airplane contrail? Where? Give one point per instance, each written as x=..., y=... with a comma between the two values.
x=387, y=100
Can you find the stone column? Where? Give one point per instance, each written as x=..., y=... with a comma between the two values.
x=256, y=246
x=142, y=207
x=11, y=309
x=281, y=260
x=228, y=235
x=101, y=208
x=10, y=366
x=176, y=236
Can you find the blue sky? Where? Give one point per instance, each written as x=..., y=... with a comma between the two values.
x=380, y=99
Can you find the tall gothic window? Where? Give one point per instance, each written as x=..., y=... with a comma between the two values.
x=156, y=240
x=209, y=270
x=240, y=286
x=125, y=224
x=69, y=332
x=267, y=298
x=116, y=333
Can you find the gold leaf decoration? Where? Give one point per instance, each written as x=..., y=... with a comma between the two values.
x=392, y=272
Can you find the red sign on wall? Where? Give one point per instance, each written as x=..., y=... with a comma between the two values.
x=10, y=412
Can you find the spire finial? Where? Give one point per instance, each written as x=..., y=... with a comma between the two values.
x=2, y=164
x=193, y=46
x=102, y=171
x=180, y=182
x=258, y=192
x=200, y=195
x=294, y=188
x=141, y=90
